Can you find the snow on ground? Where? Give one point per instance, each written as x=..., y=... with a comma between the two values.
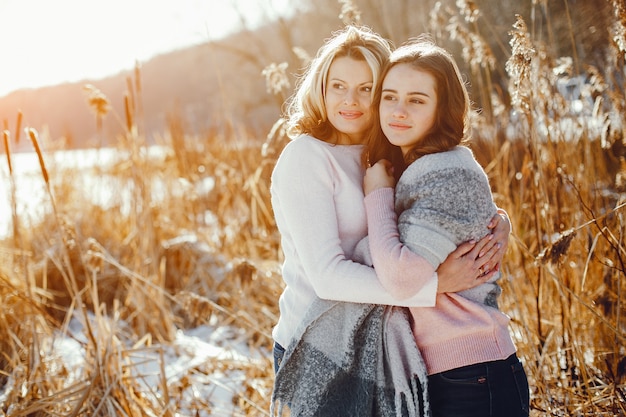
x=190, y=365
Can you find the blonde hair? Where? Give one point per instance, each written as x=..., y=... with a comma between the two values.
x=306, y=111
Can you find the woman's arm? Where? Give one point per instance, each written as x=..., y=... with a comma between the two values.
x=500, y=227
x=483, y=258
x=403, y=272
x=306, y=211
x=466, y=268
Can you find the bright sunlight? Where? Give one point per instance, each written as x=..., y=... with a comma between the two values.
x=46, y=43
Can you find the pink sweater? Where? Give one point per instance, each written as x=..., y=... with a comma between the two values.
x=456, y=331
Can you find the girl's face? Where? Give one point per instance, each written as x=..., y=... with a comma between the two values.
x=408, y=105
x=348, y=99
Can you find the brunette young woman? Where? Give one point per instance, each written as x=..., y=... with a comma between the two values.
x=442, y=198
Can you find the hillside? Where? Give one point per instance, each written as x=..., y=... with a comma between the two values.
x=210, y=87
x=218, y=87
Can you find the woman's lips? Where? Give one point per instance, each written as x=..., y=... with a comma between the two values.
x=350, y=114
x=398, y=126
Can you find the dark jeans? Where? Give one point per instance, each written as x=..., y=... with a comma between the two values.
x=490, y=389
x=279, y=352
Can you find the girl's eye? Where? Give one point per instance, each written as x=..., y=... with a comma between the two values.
x=388, y=97
x=367, y=89
x=338, y=86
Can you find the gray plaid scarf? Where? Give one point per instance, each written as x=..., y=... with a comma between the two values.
x=349, y=360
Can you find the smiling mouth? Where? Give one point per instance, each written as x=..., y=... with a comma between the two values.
x=398, y=126
x=350, y=114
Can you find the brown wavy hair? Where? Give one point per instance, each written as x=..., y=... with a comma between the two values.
x=451, y=125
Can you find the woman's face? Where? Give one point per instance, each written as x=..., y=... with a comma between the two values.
x=408, y=105
x=348, y=99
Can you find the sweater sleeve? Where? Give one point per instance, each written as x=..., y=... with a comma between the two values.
x=400, y=271
x=443, y=199
x=305, y=204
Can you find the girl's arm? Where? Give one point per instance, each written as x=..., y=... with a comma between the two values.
x=471, y=264
x=304, y=200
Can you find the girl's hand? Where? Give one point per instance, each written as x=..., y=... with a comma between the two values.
x=379, y=175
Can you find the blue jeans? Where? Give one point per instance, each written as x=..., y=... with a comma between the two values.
x=490, y=389
x=279, y=352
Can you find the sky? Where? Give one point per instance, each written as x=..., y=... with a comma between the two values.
x=47, y=42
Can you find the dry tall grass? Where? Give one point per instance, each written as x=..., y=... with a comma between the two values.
x=134, y=272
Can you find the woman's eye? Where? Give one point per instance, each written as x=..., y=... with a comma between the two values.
x=337, y=86
x=367, y=89
x=388, y=97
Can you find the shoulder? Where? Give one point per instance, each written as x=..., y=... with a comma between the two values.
x=457, y=157
x=311, y=147
x=467, y=160
x=298, y=164
x=458, y=154
x=299, y=150
x=302, y=143
x=304, y=157
x=463, y=153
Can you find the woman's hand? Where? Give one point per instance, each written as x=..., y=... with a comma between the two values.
x=473, y=263
x=379, y=175
x=500, y=226
x=464, y=268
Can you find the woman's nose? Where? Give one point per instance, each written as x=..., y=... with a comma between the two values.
x=399, y=111
x=350, y=96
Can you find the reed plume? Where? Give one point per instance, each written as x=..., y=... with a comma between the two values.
x=276, y=79
x=519, y=67
x=32, y=134
x=350, y=13
x=18, y=126
x=7, y=150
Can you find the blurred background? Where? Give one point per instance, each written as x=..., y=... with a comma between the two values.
x=202, y=61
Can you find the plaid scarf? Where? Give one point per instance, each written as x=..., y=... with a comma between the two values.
x=352, y=360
